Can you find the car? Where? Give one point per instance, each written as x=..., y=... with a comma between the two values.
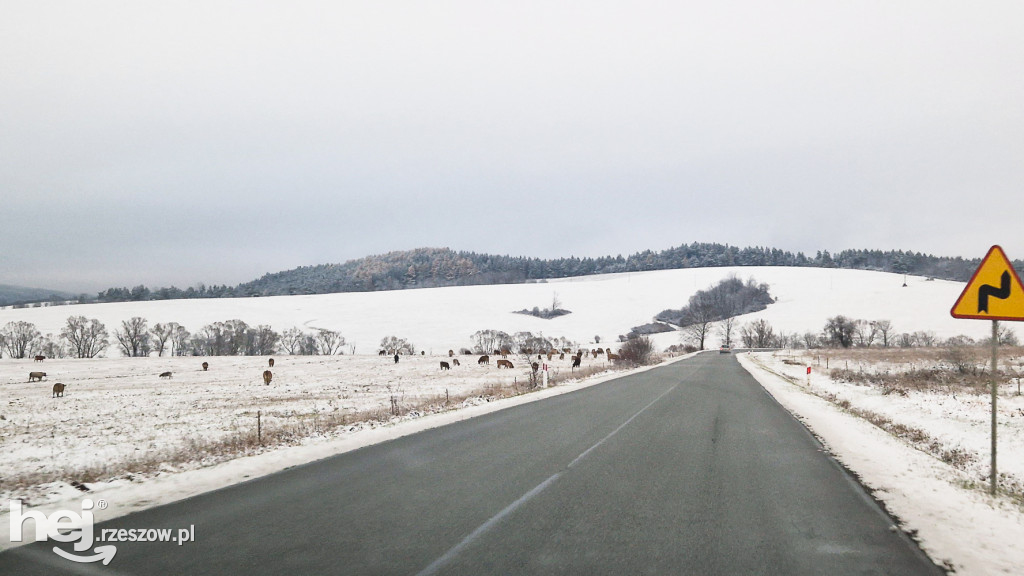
x=724, y=350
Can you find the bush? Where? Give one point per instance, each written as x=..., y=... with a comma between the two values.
x=637, y=350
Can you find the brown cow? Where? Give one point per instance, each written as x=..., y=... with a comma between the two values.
x=451, y=353
x=34, y=376
x=613, y=356
x=165, y=374
x=505, y=352
x=455, y=362
x=206, y=365
x=505, y=364
x=58, y=390
x=445, y=366
x=576, y=361
x=40, y=358
x=271, y=362
x=267, y=377
x=485, y=359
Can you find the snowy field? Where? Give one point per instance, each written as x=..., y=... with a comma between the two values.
x=119, y=418
x=605, y=306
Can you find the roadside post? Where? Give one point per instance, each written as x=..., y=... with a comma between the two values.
x=993, y=293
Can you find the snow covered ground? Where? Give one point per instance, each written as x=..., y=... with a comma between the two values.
x=605, y=306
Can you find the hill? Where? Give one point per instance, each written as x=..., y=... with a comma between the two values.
x=601, y=306
x=16, y=295
x=439, y=267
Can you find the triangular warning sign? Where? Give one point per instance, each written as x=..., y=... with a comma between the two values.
x=994, y=292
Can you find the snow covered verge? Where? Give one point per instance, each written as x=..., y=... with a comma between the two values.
x=134, y=440
x=933, y=479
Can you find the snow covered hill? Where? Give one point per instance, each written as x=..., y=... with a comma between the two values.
x=606, y=306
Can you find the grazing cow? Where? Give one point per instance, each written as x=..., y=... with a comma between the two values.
x=455, y=362
x=206, y=366
x=485, y=359
x=267, y=377
x=576, y=361
x=382, y=353
x=36, y=376
x=613, y=356
x=445, y=366
x=271, y=362
x=505, y=352
x=40, y=358
x=505, y=364
x=165, y=374
x=58, y=390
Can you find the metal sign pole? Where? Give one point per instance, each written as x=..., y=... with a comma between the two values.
x=995, y=395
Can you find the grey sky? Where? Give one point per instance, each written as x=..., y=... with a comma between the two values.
x=169, y=143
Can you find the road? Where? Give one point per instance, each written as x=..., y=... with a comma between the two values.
x=689, y=468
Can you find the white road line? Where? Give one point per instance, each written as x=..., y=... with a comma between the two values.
x=450, y=555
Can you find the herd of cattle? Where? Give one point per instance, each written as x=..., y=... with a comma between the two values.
x=503, y=362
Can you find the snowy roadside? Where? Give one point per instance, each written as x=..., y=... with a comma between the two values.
x=121, y=496
x=945, y=509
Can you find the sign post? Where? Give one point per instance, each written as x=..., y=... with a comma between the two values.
x=993, y=293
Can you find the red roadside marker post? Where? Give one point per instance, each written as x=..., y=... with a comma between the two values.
x=993, y=293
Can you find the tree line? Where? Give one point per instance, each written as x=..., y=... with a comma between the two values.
x=82, y=337
x=436, y=267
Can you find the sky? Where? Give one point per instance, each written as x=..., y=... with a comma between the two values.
x=177, y=143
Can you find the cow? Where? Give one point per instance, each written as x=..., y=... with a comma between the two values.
x=58, y=390
x=505, y=364
x=382, y=353
x=485, y=359
x=206, y=366
x=40, y=358
x=267, y=377
x=612, y=357
x=505, y=352
x=451, y=353
x=445, y=366
x=36, y=376
x=271, y=362
x=165, y=374
x=455, y=362
x=576, y=361
x=535, y=366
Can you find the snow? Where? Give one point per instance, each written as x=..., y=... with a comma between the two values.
x=439, y=319
x=119, y=410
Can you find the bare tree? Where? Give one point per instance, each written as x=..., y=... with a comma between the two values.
x=160, y=334
x=18, y=337
x=87, y=337
x=726, y=328
x=329, y=342
x=133, y=336
x=758, y=334
x=179, y=339
x=291, y=341
x=699, y=319
x=885, y=331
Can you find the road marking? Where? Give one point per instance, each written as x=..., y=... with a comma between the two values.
x=450, y=555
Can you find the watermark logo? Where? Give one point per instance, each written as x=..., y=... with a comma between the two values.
x=69, y=526
x=62, y=526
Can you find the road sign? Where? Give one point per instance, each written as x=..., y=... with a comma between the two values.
x=995, y=292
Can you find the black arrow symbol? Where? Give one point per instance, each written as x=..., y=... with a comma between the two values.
x=986, y=290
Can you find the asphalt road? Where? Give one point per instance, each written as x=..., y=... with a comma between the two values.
x=686, y=469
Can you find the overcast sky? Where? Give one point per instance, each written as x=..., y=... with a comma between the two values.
x=171, y=143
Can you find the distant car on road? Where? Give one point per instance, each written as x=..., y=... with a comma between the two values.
x=724, y=350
